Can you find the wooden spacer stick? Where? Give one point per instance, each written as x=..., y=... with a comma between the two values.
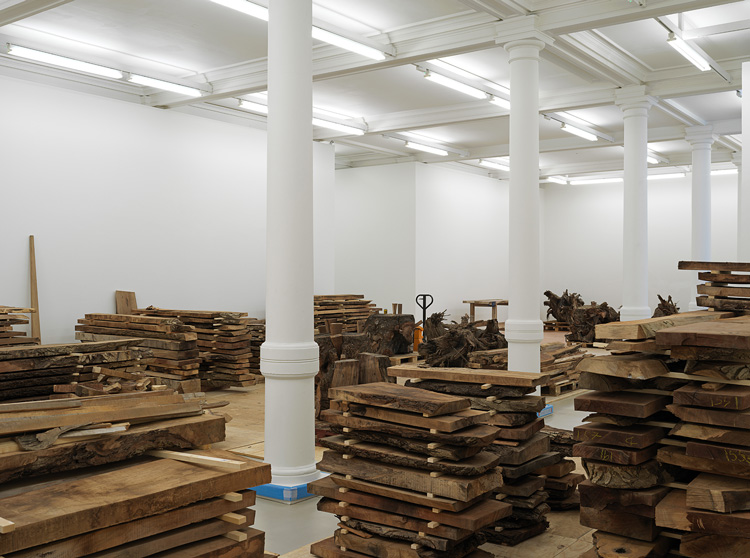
x=232, y=497
x=6, y=525
x=238, y=536
x=234, y=518
x=433, y=525
x=200, y=459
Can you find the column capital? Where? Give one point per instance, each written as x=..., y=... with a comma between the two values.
x=737, y=159
x=700, y=135
x=521, y=31
x=634, y=97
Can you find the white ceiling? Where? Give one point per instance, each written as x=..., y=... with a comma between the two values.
x=600, y=46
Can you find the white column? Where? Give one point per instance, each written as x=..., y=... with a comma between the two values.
x=700, y=138
x=743, y=223
x=289, y=357
x=635, y=219
x=523, y=329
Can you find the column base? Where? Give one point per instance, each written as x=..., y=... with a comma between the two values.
x=524, y=339
x=628, y=313
x=289, y=491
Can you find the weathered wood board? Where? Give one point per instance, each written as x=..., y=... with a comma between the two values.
x=636, y=367
x=729, y=334
x=646, y=329
x=718, y=493
x=673, y=513
x=523, y=487
x=517, y=455
x=631, y=477
x=712, y=417
x=723, y=267
x=394, y=396
x=523, y=432
x=629, y=404
x=470, y=390
x=688, y=352
x=636, y=436
x=619, y=523
x=595, y=496
x=700, y=545
x=442, y=423
x=544, y=460
x=526, y=404
x=736, y=398
x=677, y=456
x=431, y=449
x=610, y=454
x=716, y=434
x=470, y=375
x=716, y=277
x=608, y=545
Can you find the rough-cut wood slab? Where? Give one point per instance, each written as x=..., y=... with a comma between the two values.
x=694, y=265
x=222, y=547
x=718, y=493
x=484, y=512
x=646, y=329
x=73, y=359
x=394, y=396
x=673, y=513
x=728, y=334
x=442, y=423
x=712, y=290
x=510, y=419
x=609, y=454
x=558, y=469
x=476, y=465
x=43, y=351
x=479, y=435
x=470, y=375
x=608, y=545
x=523, y=432
x=729, y=397
x=182, y=433
x=629, y=404
x=700, y=545
x=713, y=417
x=624, y=524
x=677, y=456
x=442, y=451
x=390, y=532
x=418, y=498
x=517, y=455
x=712, y=434
x=644, y=346
x=448, y=486
x=633, y=477
x=710, y=353
x=470, y=390
x=636, y=367
x=528, y=503
x=595, y=496
x=522, y=487
x=380, y=547
x=598, y=382
x=719, y=369
x=526, y=404
x=543, y=460
x=723, y=277
x=97, y=501
x=637, y=436
x=721, y=453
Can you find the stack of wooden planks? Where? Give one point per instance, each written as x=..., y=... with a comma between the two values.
x=726, y=287
x=226, y=343
x=411, y=476
x=11, y=316
x=343, y=309
x=523, y=450
x=35, y=371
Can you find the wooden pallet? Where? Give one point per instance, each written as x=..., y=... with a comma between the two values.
x=554, y=325
x=404, y=359
x=558, y=388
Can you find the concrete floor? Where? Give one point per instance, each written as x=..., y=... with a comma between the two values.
x=291, y=528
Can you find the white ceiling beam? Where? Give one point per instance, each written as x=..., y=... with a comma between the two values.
x=711, y=62
x=621, y=68
x=494, y=8
x=700, y=32
x=28, y=8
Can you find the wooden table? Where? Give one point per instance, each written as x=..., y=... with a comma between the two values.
x=486, y=303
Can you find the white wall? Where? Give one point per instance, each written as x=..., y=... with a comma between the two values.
x=123, y=196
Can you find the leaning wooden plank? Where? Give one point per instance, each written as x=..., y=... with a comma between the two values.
x=470, y=375
x=199, y=458
x=182, y=433
x=124, y=533
x=646, y=329
x=448, y=486
x=250, y=545
x=722, y=334
x=475, y=465
x=394, y=396
x=635, y=367
x=101, y=500
x=629, y=404
x=713, y=266
x=442, y=423
x=673, y=513
x=704, y=545
x=484, y=512
x=718, y=493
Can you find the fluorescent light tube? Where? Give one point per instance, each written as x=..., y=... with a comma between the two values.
x=245, y=7
x=426, y=148
x=347, y=44
x=578, y=132
x=693, y=56
x=338, y=127
x=63, y=62
x=500, y=102
x=722, y=172
x=255, y=107
x=558, y=179
x=585, y=181
x=455, y=85
x=451, y=68
x=652, y=160
x=493, y=165
x=666, y=176
x=165, y=85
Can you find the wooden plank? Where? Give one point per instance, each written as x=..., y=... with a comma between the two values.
x=510, y=419
x=345, y=373
x=125, y=302
x=438, y=450
x=124, y=331
x=713, y=266
x=442, y=423
x=544, y=460
x=728, y=397
x=703, y=545
x=250, y=545
x=631, y=477
x=380, y=547
x=470, y=390
x=609, y=454
x=50, y=513
x=63, y=349
x=599, y=496
x=721, y=333
x=644, y=346
x=358, y=527
x=673, y=455
x=524, y=432
x=481, y=514
x=710, y=353
x=523, y=487
x=673, y=513
x=636, y=367
x=394, y=396
x=646, y=329
x=712, y=434
x=525, y=404
x=538, y=445
x=449, y=486
x=166, y=344
x=36, y=329
x=711, y=290
x=712, y=417
x=373, y=368
x=715, y=277
x=470, y=375
x=718, y=493
x=726, y=304
x=721, y=453
x=624, y=524
x=475, y=465
x=21, y=364
x=629, y=404
x=478, y=435
x=636, y=436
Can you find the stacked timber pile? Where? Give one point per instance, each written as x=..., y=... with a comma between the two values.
x=39, y=371
x=11, y=316
x=343, y=309
x=523, y=450
x=410, y=475
x=225, y=342
x=727, y=285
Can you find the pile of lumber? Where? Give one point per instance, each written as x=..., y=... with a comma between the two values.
x=522, y=449
x=225, y=342
x=39, y=371
x=726, y=287
x=344, y=309
x=11, y=316
x=410, y=475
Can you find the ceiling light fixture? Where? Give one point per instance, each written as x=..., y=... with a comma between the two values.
x=62, y=61
x=455, y=85
x=493, y=165
x=245, y=7
x=722, y=172
x=255, y=107
x=585, y=181
x=688, y=52
x=578, y=132
x=426, y=148
x=347, y=44
x=500, y=102
x=165, y=85
x=666, y=176
x=338, y=127
x=558, y=179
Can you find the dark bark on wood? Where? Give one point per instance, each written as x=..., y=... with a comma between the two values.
x=560, y=307
x=390, y=334
x=470, y=390
x=583, y=321
x=632, y=477
x=388, y=532
x=561, y=440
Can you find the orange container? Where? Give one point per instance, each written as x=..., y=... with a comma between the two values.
x=417, y=337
